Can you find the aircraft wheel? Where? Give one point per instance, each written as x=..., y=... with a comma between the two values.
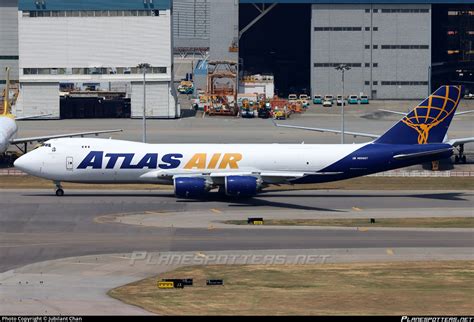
x=456, y=159
x=463, y=159
x=59, y=192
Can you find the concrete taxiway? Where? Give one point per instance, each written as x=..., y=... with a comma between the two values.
x=62, y=255
x=37, y=226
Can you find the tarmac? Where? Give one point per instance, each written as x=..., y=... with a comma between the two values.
x=36, y=225
x=79, y=285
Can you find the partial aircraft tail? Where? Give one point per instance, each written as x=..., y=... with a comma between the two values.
x=6, y=97
x=428, y=122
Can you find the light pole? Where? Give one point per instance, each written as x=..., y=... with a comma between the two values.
x=143, y=67
x=342, y=68
x=429, y=80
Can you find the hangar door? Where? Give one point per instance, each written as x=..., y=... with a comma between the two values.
x=159, y=102
x=38, y=98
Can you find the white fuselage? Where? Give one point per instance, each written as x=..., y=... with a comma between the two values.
x=109, y=161
x=8, y=130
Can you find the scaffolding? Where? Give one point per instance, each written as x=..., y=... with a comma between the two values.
x=222, y=88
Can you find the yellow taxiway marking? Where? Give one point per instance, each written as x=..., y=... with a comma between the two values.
x=390, y=251
x=362, y=229
x=155, y=212
x=121, y=257
x=216, y=211
x=28, y=245
x=211, y=227
x=85, y=263
x=356, y=209
x=101, y=241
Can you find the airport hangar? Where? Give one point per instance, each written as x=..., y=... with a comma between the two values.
x=392, y=48
x=89, y=42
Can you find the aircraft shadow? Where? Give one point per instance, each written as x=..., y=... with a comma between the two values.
x=441, y=196
x=212, y=197
x=255, y=202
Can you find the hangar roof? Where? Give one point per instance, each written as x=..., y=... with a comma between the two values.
x=362, y=1
x=32, y=5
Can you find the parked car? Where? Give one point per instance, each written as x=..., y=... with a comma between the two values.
x=292, y=97
x=317, y=99
x=328, y=98
x=304, y=99
x=364, y=99
x=327, y=103
x=353, y=99
x=339, y=100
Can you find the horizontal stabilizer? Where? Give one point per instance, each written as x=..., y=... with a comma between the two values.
x=420, y=154
x=456, y=142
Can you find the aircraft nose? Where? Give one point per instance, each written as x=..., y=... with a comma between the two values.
x=25, y=163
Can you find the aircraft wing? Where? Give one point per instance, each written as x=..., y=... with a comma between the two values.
x=274, y=176
x=317, y=129
x=30, y=117
x=58, y=136
x=393, y=112
x=404, y=114
x=217, y=177
x=463, y=112
x=456, y=142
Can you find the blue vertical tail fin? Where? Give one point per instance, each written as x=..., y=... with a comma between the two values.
x=428, y=122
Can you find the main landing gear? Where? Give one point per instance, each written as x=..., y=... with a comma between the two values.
x=59, y=189
x=461, y=157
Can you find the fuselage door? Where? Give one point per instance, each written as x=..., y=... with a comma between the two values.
x=69, y=163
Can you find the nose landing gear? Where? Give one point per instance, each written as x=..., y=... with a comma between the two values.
x=59, y=189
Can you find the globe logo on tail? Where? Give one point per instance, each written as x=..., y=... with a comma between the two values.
x=432, y=112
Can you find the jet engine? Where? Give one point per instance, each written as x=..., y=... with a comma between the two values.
x=242, y=186
x=191, y=187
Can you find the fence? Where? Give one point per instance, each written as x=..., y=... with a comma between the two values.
x=406, y=173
